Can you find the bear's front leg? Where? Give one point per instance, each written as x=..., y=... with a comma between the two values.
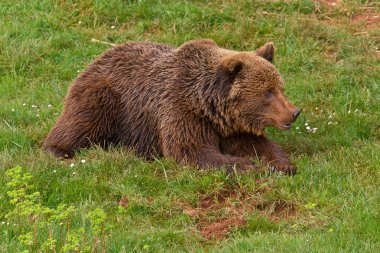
x=260, y=146
x=210, y=157
x=206, y=157
x=198, y=145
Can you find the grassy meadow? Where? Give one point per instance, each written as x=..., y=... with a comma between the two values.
x=328, y=54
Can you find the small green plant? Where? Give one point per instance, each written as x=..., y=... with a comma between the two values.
x=310, y=206
x=76, y=241
x=26, y=205
x=33, y=219
x=97, y=219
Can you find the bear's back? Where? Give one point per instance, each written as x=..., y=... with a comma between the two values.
x=126, y=63
x=136, y=73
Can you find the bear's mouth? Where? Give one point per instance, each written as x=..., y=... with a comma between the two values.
x=285, y=126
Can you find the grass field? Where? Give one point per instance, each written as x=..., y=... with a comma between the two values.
x=328, y=54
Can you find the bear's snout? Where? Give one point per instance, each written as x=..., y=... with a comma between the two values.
x=283, y=112
x=296, y=113
x=292, y=114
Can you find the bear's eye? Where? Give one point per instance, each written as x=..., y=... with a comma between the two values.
x=269, y=93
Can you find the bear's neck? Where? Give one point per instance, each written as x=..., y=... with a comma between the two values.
x=196, y=84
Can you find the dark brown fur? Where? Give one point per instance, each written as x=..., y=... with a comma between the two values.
x=200, y=104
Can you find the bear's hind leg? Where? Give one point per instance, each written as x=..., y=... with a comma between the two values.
x=66, y=137
x=89, y=117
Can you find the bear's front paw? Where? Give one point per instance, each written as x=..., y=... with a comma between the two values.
x=241, y=166
x=287, y=169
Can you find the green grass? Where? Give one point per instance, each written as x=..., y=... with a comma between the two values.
x=331, y=70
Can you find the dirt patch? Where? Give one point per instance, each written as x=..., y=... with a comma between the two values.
x=216, y=200
x=124, y=201
x=335, y=13
x=331, y=55
x=369, y=18
x=218, y=213
x=219, y=229
x=190, y=211
x=227, y=200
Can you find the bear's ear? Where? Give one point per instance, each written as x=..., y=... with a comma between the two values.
x=266, y=51
x=226, y=73
x=230, y=67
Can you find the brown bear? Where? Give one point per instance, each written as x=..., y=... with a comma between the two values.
x=200, y=104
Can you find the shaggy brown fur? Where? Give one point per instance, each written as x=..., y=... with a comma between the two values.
x=200, y=104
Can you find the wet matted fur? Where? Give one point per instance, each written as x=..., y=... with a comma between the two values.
x=199, y=104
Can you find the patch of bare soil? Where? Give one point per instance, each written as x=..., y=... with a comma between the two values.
x=369, y=18
x=220, y=228
x=217, y=200
x=228, y=202
x=366, y=18
x=220, y=212
x=124, y=201
x=332, y=55
x=223, y=200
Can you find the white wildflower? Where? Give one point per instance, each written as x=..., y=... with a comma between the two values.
x=306, y=124
x=349, y=111
x=112, y=27
x=72, y=165
x=82, y=161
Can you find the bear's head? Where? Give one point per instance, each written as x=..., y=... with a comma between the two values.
x=253, y=92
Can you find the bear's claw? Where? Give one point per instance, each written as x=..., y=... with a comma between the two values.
x=287, y=169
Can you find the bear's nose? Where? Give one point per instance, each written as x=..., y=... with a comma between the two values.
x=296, y=112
